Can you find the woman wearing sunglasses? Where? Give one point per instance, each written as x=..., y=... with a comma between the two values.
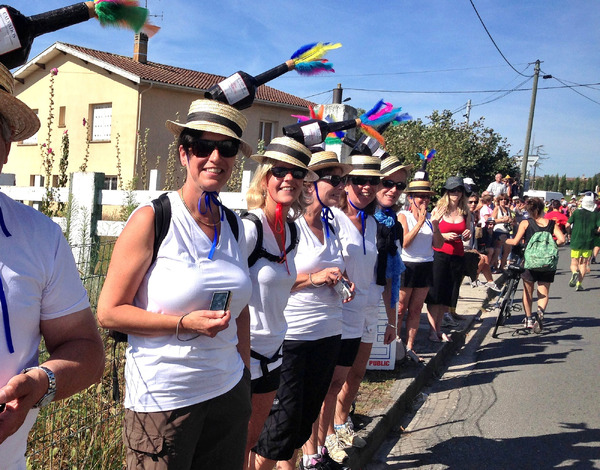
x=452, y=212
x=358, y=233
x=187, y=390
x=274, y=200
x=502, y=230
x=420, y=237
x=314, y=326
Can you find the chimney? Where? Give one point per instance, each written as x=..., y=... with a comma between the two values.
x=140, y=48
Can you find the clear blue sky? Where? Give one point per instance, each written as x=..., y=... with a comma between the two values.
x=413, y=53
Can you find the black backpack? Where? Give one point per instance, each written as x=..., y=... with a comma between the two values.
x=162, y=222
x=258, y=251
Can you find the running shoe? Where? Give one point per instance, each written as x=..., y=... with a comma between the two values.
x=448, y=320
x=579, y=287
x=335, y=448
x=492, y=285
x=348, y=438
x=573, y=280
x=538, y=324
x=529, y=322
x=313, y=464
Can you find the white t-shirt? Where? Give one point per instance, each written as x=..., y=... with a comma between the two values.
x=163, y=373
x=271, y=286
x=315, y=312
x=421, y=248
x=360, y=267
x=40, y=282
x=484, y=213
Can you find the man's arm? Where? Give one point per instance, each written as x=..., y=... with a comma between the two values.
x=76, y=359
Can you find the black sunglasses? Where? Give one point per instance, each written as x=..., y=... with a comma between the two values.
x=456, y=190
x=333, y=180
x=472, y=202
x=281, y=172
x=400, y=186
x=204, y=148
x=364, y=180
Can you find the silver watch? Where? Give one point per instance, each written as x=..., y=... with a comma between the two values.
x=51, y=392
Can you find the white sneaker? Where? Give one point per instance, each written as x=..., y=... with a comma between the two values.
x=492, y=285
x=335, y=448
x=448, y=320
x=348, y=438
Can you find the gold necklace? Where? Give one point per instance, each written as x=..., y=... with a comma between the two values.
x=197, y=219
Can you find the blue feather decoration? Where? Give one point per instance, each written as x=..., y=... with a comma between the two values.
x=303, y=49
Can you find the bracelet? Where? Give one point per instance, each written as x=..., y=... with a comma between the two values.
x=313, y=284
x=390, y=325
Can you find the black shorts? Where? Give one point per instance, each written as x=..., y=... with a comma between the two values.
x=447, y=275
x=538, y=276
x=306, y=374
x=266, y=383
x=348, y=352
x=471, y=264
x=417, y=275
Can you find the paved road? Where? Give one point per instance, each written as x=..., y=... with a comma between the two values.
x=521, y=401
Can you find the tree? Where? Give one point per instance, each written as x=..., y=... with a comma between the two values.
x=554, y=183
x=562, y=184
x=462, y=149
x=576, y=186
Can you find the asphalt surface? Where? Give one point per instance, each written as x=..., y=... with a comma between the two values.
x=520, y=400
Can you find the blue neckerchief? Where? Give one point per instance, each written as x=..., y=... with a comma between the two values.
x=363, y=218
x=386, y=216
x=211, y=197
x=395, y=267
x=3, y=303
x=326, y=212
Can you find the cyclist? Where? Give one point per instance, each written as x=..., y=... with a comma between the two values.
x=536, y=222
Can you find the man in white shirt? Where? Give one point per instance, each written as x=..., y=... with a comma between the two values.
x=498, y=187
x=41, y=296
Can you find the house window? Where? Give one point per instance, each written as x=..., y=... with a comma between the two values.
x=62, y=111
x=265, y=131
x=101, y=122
x=110, y=182
x=33, y=140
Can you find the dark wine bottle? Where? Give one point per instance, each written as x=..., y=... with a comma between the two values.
x=18, y=31
x=314, y=131
x=239, y=89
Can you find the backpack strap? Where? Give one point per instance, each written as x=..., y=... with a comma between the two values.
x=162, y=221
x=258, y=251
x=233, y=223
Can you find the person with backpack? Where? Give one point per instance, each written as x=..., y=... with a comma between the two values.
x=541, y=259
x=275, y=199
x=187, y=401
x=314, y=327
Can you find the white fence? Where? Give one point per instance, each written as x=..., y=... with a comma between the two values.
x=88, y=197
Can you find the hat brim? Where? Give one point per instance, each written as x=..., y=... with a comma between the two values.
x=22, y=120
x=177, y=127
x=404, y=168
x=345, y=167
x=282, y=157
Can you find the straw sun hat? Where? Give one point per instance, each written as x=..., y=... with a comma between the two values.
x=214, y=116
x=391, y=164
x=419, y=187
x=328, y=159
x=288, y=150
x=364, y=165
x=21, y=119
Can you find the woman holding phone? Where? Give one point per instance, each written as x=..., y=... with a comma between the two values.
x=274, y=200
x=187, y=401
x=314, y=326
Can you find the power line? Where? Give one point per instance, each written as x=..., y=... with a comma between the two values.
x=572, y=87
x=504, y=94
x=494, y=42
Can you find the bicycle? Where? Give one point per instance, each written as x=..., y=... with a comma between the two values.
x=506, y=299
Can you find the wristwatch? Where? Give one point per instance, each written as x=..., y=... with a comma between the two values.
x=51, y=392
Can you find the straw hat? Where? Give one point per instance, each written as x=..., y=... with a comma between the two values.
x=288, y=150
x=328, y=159
x=365, y=165
x=21, y=119
x=419, y=187
x=214, y=116
x=391, y=164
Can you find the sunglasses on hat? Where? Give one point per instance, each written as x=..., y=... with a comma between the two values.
x=281, y=172
x=204, y=148
x=333, y=180
x=400, y=185
x=364, y=180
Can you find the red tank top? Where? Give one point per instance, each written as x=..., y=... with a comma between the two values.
x=456, y=247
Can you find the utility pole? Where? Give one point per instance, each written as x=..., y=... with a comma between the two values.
x=468, y=112
x=536, y=75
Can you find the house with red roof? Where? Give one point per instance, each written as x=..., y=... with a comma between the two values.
x=114, y=109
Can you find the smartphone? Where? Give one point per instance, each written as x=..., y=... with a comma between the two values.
x=220, y=300
x=343, y=289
